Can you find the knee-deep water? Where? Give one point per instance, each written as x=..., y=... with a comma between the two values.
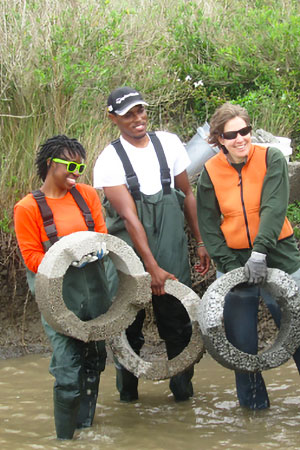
x=212, y=419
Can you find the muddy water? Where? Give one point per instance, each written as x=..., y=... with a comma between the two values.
x=211, y=420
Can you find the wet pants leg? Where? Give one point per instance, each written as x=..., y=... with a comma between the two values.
x=240, y=321
x=127, y=382
x=76, y=367
x=296, y=356
x=93, y=364
x=175, y=329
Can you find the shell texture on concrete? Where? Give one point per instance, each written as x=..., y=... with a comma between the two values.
x=161, y=368
x=134, y=290
x=284, y=290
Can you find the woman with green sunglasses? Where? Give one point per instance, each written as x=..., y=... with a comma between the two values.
x=72, y=166
x=75, y=365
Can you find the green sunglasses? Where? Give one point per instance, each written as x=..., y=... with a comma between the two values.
x=71, y=165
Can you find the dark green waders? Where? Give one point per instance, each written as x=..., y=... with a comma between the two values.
x=76, y=365
x=162, y=217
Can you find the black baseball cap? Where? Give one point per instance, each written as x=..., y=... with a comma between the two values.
x=123, y=99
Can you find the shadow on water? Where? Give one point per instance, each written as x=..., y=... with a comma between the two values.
x=211, y=420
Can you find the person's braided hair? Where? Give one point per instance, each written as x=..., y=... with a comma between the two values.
x=56, y=147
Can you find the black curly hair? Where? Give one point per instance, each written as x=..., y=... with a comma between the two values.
x=56, y=147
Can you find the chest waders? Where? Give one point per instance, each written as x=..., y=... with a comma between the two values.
x=76, y=365
x=162, y=217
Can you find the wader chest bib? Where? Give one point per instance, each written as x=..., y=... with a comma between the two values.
x=47, y=215
x=161, y=215
x=81, y=286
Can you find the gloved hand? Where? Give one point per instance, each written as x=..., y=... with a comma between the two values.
x=91, y=257
x=256, y=268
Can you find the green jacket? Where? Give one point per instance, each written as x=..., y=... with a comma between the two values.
x=283, y=254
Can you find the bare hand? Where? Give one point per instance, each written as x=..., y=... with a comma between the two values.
x=158, y=279
x=203, y=267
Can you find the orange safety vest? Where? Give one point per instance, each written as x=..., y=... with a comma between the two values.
x=239, y=197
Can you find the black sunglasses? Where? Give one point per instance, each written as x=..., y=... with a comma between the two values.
x=229, y=135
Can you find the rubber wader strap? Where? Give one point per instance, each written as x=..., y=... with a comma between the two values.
x=47, y=216
x=82, y=205
x=165, y=176
x=132, y=180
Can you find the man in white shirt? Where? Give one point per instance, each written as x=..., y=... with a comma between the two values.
x=144, y=179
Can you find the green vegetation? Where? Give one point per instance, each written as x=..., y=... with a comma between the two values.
x=61, y=58
x=293, y=214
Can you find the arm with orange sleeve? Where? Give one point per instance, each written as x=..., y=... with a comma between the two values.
x=28, y=223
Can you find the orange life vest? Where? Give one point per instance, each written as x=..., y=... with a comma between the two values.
x=239, y=197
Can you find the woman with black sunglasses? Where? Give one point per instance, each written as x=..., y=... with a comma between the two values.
x=75, y=365
x=243, y=194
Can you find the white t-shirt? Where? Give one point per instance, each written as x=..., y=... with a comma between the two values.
x=109, y=170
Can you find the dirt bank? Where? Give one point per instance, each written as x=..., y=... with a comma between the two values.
x=21, y=329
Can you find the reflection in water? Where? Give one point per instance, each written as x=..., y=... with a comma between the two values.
x=211, y=420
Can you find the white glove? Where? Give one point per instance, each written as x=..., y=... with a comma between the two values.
x=256, y=268
x=91, y=257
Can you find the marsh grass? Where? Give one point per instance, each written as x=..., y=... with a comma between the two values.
x=61, y=58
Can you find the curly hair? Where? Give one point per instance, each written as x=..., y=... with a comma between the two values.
x=221, y=116
x=56, y=147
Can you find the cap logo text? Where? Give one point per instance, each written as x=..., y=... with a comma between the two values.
x=121, y=99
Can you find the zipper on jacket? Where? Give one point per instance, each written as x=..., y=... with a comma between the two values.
x=244, y=209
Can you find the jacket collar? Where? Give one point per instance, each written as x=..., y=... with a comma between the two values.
x=225, y=160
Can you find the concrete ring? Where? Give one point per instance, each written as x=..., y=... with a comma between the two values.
x=284, y=290
x=161, y=368
x=134, y=290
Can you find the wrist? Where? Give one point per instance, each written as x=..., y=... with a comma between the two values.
x=257, y=256
x=200, y=244
x=151, y=266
